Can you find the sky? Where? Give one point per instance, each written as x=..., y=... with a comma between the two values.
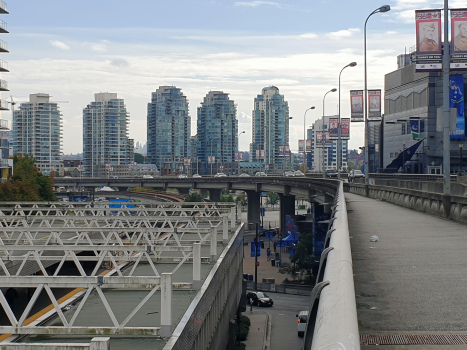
x=73, y=49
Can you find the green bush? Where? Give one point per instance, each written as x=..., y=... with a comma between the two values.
x=244, y=328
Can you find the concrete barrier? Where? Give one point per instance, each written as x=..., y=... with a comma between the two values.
x=97, y=343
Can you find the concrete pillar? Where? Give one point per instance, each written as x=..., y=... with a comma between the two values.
x=213, y=244
x=253, y=209
x=100, y=343
x=196, y=266
x=225, y=229
x=203, y=192
x=166, y=305
x=287, y=207
x=183, y=190
x=215, y=195
x=233, y=212
x=122, y=189
x=328, y=200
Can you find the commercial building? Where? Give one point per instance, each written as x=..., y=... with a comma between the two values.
x=6, y=165
x=329, y=151
x=412, y=101
x=107, y=149
x=270, y=130
x=169, y=128
x=37, y=132
x=217, y=134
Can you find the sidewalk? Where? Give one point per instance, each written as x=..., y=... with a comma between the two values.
x=259, y=336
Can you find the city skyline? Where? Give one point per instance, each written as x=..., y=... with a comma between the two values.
x=71, y=58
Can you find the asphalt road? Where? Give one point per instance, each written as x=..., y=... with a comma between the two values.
x=284, y=320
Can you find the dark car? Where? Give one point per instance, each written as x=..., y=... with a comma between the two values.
x=259, y=299
x=332, y=173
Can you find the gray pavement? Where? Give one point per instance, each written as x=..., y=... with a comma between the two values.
x=414, y=278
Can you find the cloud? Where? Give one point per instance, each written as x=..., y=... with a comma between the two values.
x=119, y=62
x=308, y=36
x=257, y=3
x=342, y=33
x=59, y=44
x=98, y=47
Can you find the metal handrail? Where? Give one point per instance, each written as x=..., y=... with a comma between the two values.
x=336, y=317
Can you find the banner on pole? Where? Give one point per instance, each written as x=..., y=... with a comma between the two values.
x=356, y=105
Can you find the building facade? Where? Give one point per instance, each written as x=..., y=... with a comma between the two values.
x=37, y=132
x=107, y=149
x=6, y=165
x=217, y=134
x=270, y=129
x=325, y=158
x=169, y=129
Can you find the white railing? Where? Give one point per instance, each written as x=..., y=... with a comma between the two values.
x=333, y=320
x=3, y=5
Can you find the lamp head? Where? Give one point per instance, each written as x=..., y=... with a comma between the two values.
x=334, y=90
x=353, y=64
x=242, y=132
x=384, y=8
x=290, y=117
x=312, y=107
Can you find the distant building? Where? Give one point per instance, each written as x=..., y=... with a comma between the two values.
x=6, y=165
x=270, y=129
x=107, y=149
x=72, y=163
x=217, y=134
x=168, y=129
x=329, y=151
x=37, y=132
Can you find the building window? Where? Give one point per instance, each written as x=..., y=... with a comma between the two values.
x=391, y=155
x=403, y=129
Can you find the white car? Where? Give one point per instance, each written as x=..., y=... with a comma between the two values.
x=260, y=173
x=196, y=175
x=298, y=173
x=182, y=176
x=148, y=177
x=302, y=319
x=244, y=175
x=220, y=175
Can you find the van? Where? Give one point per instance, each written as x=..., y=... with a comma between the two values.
x=302, y=319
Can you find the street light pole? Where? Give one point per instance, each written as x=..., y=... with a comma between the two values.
x=339, y=128
x=211, y=151
x=323, y=141
x=238, y=139
x=304, y=139
x=446, y=107
x=384, y=8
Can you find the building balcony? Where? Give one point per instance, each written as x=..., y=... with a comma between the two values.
x=3, y=66
x=3, y=124
x=3, y=7
x=3, y=27
x=3, y=46
x=4, y=85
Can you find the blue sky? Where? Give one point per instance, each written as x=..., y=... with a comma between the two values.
x=72, y=49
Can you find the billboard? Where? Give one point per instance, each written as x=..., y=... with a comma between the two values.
x=308, y=146
x=459, y=39
x=211, y=160
x=456, y=100
x=287, y=150
x=428, y=48
x=260, y=154
x=327, y=140
x=187, y=161
x=374, y=105
x=415, y=128
x=356, y=105
x=239, y=157
x=345, y=128
x=301, y=146
x=319, y=139
x=281, y=151
x=333, y=128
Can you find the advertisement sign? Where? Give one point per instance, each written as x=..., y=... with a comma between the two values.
x=301, y=146
x=356, y=105
x=428, y=30
x=456, y=100
x=260, y=154
x=287, y=150
x=345, y=128
x=266, y=166
x=308, y=146
x=415, y=127
x=459, y=39
x=319, y=139
x=187, y=161
x=327, y=140
x=239, y=157
x=281, y=151
x=374, y=105
x=333, y=128
x=211, y=160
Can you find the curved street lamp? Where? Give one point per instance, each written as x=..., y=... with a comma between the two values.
x=322, y=137
x=384, y=8
x=339, y=128
x=304, y=139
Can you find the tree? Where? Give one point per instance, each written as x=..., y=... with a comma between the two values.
x=289, y=269
x=194, y=197
x=139, y=158
x=303, y=168
x=273, y=198
x=242, y=199
x=303, y=256
x=228, y=198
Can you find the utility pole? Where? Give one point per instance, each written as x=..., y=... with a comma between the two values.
x=446, y=128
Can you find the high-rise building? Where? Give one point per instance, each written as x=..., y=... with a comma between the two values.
x=217, y=134
x=37, y=132
x=270, y=129
x=6, y=165
x=107, y=149
x=169, y=128
x=329, y=151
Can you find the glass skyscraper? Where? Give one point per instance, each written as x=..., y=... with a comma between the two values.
x=37, y=131
x=270, y=129
x=107, y=150
x=217, y=133
x=169, y=128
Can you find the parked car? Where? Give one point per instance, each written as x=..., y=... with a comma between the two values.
x=259, y=299
x=298, y=173
x=288, y=173
x=182, y=176
x=220, y=175
x=244, y=175
x=260, y=173
x=355, y=174
x=148, y=177
x=301, y=322
x=332, y=173
x=196, y=175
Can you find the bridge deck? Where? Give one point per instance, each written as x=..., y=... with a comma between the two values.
x=414, y=276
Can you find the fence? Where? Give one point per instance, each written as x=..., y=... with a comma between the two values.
x=281, y=288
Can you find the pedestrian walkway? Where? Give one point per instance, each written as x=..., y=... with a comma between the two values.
x=258, y=336
x=414, y=278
